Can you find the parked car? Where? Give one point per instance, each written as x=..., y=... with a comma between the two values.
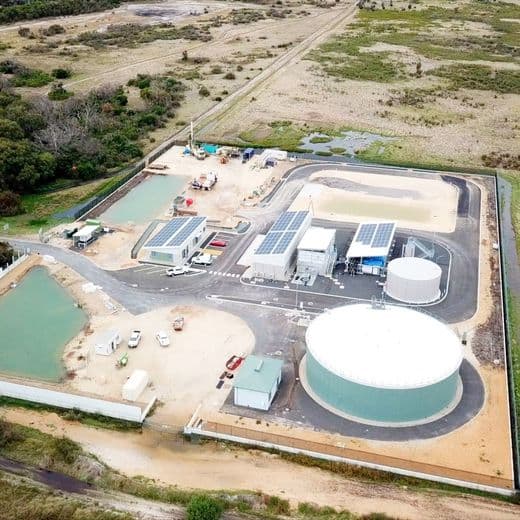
x=178, y=323
x=176, y=271
x=135, y=338
x=202, y=259
x=162, y=338
x=218, y=243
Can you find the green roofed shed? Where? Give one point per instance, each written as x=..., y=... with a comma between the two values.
x=257, y=382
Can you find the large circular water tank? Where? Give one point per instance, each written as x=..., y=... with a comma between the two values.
x=413, y=280
x=389, y=365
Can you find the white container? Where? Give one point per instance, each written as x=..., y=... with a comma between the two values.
x=135, y=385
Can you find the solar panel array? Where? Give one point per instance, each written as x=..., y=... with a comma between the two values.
x=366, y=233
x=375, y=235
x=171, y=233
x=383, y=235
x=185, y=232
x=282, y=233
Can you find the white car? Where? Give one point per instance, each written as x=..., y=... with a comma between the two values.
x=175, y=271
x=202, y=259
x=135, y=338
x=162, y=338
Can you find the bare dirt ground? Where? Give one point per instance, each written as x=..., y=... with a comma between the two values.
x=211, y=465
x=425, y=204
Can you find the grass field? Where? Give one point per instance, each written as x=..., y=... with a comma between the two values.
x=40, y=208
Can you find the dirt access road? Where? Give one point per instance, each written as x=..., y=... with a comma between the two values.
x=213, y=465
x=204, y=121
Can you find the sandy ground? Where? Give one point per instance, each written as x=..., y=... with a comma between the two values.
x=213, y=465
x=424, y=204
x=238, y=185
x=182, y=375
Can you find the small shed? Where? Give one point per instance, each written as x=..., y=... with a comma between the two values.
x=107, y=342
x=135, y=385
x=257, y=382
x=248, y=154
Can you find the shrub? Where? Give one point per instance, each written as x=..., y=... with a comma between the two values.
x=59, y=93
x=8, y=433
x=202, y=507
x=217, y=69
x=53, y=29
x=230, y=75
x=24, y=32
x=10, y=204
x=277, y=505
x=203, y=91
x=65, y=450
x=60, y=73
x=240, y=68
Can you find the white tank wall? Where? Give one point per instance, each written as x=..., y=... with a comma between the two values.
x=420, y=285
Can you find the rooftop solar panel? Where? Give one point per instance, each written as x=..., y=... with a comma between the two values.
x=283, y=221
x=366, y=233
x=167, y=232
x=182, y=234
x=283, y=243
x=268, y=243
x=383, y=235
x=297, y=221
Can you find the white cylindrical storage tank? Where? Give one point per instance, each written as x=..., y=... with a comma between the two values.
x=413, y=280
x=387, y=365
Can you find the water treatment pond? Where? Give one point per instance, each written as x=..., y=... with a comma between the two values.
x=345, y=144
x=145, y=202
x=37, y=319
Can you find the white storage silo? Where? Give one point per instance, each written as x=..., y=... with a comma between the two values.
x=390, y=365
x=413, y=280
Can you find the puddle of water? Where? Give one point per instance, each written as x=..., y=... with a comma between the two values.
x=146, y=201
x=37, y=319
x=349, y=140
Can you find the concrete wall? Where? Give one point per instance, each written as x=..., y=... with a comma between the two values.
x=9, y=268
x=117, y=410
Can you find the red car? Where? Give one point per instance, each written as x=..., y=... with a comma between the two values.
x=218, y=243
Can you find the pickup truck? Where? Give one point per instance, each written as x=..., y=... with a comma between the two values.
x=202, y=259
x=135, y=338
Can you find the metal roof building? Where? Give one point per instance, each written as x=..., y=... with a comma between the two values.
x=385, y=364
x=317, y=251
x=176, y=241
x=275, y=256
x=371, y=246
x=257, y=382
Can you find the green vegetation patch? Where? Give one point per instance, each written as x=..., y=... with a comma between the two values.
x=320, y=139
x=22, y=500
x=281, y=134
x=21, y=76
x=133, y=35
x=480, y=77
x=349, y=56
x=13, y=11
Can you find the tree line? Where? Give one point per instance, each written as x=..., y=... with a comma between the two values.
x=15, y=10
x=84, y=137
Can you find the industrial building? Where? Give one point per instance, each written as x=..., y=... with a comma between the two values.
x=257, y=382
x=317, y=252
x=176, y=241
x=275, y=257
x=368, y=252
x=382, y=363
x=413, y=280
